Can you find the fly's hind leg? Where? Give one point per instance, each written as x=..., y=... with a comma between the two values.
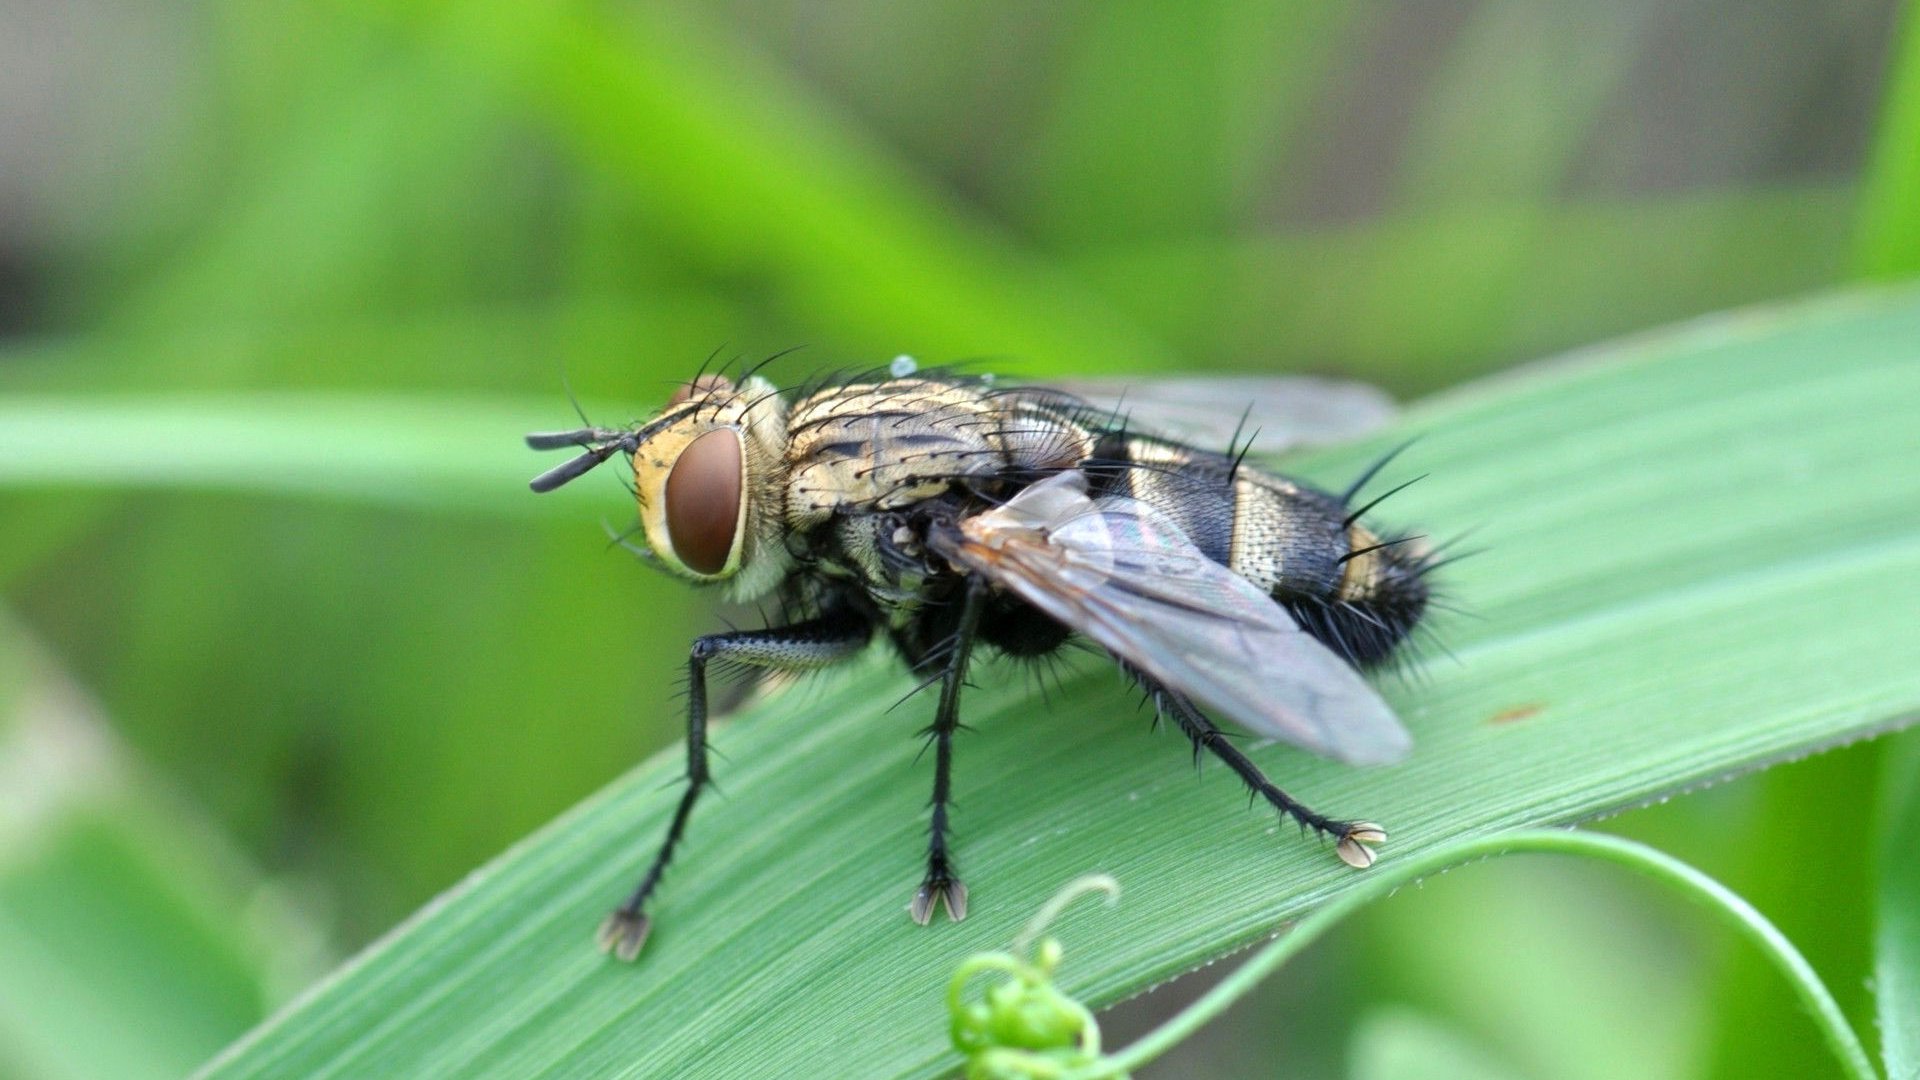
x=942, y=887
x=802, y=646
x=1353, y=840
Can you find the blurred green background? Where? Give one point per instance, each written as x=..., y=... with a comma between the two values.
x=242, y=734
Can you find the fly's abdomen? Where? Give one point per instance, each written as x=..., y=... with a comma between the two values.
x=1359, y=594
x=1381, y=595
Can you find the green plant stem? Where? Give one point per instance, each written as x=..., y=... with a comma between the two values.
x=1382, y=882
x=1887, y=238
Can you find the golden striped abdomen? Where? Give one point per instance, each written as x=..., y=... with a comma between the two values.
x=1292, y=540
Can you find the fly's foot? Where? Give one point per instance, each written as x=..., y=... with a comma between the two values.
x=943, y=890
x=624, y=932
x=1355, y=846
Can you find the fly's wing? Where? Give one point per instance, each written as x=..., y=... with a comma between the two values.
x=1280, y=413
x=1126, y=576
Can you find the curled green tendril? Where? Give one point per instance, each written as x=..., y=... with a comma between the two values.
x=1024, y=1028
x=1028, y=1030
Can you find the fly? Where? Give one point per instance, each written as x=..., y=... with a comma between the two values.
x=942, y=512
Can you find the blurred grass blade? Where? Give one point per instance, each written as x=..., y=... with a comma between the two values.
x=119, y=955
x=1364, y=294
x=1887, y=241
x=438, y=452
x=1704, y=559
x=1896, y=969
x=849, y=236
x=1197, y=153
x=1515, y=102
x=1396, y=1043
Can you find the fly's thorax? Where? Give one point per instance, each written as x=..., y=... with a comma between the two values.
x=1044, y=433
x=707, y=475
x=875, y=447
x=886, y=557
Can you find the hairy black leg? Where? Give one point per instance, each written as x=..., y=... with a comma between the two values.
x=1353, y=839
x=811, y=644
x=941, y=886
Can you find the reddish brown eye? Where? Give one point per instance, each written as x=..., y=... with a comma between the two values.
x=703, y=501
x=705, y=384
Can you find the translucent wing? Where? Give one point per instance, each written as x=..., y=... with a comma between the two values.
x=1281, y=413
x=1123, y=574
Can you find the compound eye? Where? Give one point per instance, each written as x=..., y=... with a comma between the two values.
x=703, y=501
x=700, y=387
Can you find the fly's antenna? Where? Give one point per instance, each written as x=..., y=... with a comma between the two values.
x=601, y=444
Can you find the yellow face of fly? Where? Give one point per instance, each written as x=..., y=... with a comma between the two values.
x=706, y=477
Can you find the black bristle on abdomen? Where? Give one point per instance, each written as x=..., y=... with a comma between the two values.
x=1367, y=630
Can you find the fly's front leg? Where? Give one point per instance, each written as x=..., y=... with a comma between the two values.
x=941, y=887
x=802, y=646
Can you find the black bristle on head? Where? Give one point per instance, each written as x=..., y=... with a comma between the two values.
x=748, y=372
x=707, y=364
x=623, y=539
x=573, y=399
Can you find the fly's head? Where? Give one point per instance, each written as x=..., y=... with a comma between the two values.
x=708, y=478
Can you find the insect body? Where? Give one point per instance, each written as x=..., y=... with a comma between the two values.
x=942, y=513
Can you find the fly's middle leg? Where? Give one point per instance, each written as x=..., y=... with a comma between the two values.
x=1353, y=840
x=812, y=644
x=942, y=887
